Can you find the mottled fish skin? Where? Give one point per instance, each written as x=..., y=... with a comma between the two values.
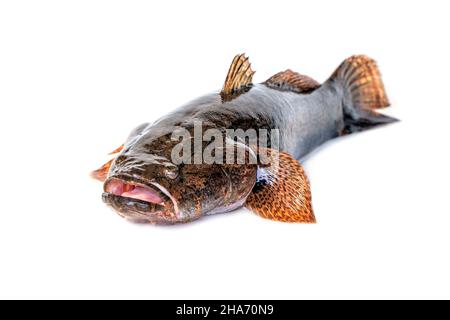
x=304, y=121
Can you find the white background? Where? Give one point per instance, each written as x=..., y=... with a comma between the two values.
x=77, y=76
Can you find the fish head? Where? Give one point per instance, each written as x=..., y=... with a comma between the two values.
x=146, y=184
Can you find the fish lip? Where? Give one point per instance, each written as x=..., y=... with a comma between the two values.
x=134, y=209
x=167, y=215
x=134, y=180
x=167, y=194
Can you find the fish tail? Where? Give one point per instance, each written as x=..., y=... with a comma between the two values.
x=363, y=93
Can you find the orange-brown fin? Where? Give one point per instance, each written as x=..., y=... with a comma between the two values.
x=117, y=150
x=282, y=191
x=363, y=91
x=292, y=81
x=239, y=78
x=102, y=173
x=361, y=80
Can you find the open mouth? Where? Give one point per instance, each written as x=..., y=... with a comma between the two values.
x=138, y=201
x=132, y=191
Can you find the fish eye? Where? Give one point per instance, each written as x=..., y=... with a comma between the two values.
x=171, y=172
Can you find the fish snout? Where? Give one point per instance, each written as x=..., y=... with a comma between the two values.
x=141, y=202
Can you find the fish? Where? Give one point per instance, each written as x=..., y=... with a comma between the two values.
x=241, y=146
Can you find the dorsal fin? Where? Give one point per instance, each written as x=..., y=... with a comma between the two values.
x=239, y=78
x=292, y=81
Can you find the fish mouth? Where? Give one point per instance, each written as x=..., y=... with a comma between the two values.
x=140, y=201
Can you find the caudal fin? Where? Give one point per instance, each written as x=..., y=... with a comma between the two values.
x=363, y=93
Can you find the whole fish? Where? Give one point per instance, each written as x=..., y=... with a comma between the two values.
x=163, y=172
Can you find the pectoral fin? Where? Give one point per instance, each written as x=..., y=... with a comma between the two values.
x=117, y=150
x=282, y=191
x=102, y=173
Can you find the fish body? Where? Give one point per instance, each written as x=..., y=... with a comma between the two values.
x=304, y=121
x=291, y=113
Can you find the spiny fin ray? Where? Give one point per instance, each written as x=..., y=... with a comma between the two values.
x=239, y=78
